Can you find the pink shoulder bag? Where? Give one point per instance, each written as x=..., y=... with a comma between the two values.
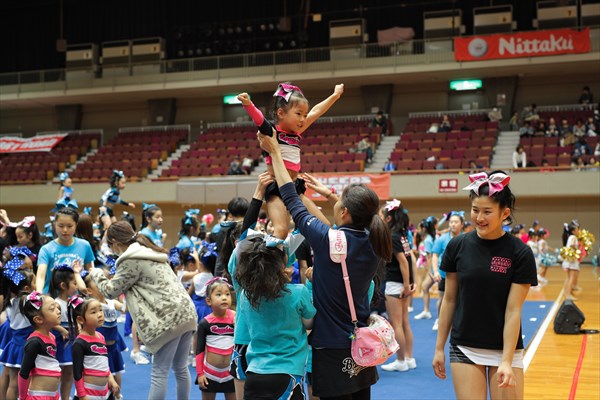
x=373, y=344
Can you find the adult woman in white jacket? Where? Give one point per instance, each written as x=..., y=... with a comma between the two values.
x=159, y=305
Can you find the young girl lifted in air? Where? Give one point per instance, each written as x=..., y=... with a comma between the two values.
x=90, y=354
x=215, y=342
x=40, y=373
x=113, y=196
x=292, y=117
x=66, y=187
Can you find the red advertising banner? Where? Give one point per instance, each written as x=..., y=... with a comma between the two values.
x=380, y=183
x=11, y=144
x=522, y=44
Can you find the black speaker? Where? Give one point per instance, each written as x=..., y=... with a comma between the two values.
x=569, y=318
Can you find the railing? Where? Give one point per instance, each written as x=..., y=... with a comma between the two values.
x=341, y=118
x=323, y=59
x=76, y=132
x=449, y=113
x=568, y=107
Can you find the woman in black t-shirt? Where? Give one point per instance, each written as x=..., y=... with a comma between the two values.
x=488, y=275
x=399, y=285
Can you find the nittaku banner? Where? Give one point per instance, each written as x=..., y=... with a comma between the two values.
x=380, y=183
x=11, y=144
x=522, y=44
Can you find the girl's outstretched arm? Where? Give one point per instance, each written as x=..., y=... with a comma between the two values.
x=322, y=107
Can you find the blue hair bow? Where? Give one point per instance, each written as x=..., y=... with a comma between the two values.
x=190, y=214
x=209, y=250
x=147, y=206
x=272, y=241
x=48, y=233
x=62, y=176
x=13, y=274
x=63, y=267
x=88, y=211
x=84, y=273
x=174, y=257
x=460, y=214
x=112, y=263
x=64, y=203
x=429, y=219
x=118, y=173
x=20, y=251
x=14, y=263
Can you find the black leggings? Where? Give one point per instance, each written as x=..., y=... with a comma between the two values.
x=272, y=386
x=364, y=394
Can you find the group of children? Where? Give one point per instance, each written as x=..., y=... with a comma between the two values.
x=60, y=329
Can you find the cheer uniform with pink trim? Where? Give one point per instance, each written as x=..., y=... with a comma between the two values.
x=215, y=335
x=111, y=333
x=39, y=359
x=20, y=329
x=90, y=357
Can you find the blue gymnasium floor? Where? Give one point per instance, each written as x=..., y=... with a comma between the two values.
x=419, y=383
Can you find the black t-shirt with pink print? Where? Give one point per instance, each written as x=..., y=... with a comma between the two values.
x=485, y=271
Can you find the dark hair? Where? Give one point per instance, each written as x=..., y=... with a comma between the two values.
x=33, y=229
x=69, y=212
x=228, y=245
x=399, y=222
x=363, y=204
x=122, y=233
x=260, y=272
x=74, y=310
x=504, y=198
x=85, y=230
x=280, y=102
x=115, y=178
x=185, y=255
x=430, y=223
x=568, y=230
x=8, y=287
x=215, y=284
x=238, y=206
x=129, y=218
x=149, y=213
x=28, y=310
x=58, y=277
x=187, y=226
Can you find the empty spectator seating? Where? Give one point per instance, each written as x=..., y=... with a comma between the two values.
x=471, y=138
x=42, y=166
x=135, y=151
x=325, y=148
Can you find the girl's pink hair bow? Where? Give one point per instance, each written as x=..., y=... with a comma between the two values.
x=75, y=301
x=35, y=298
x=285, y=90
x=392, y=205
x=497, y=182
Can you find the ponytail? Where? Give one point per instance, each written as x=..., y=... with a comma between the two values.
x=380, y=238
x=122, y=232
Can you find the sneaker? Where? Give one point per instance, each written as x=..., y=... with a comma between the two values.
x=144, y=349
x=138, y=358
x=411, y=309
x=411, y=362
x=541, y=279
x=435, y=325
x=399, y=366
x=423, y=315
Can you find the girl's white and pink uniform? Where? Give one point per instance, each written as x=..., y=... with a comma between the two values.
x=215, y=335
x=90, y=357
x=39, y=359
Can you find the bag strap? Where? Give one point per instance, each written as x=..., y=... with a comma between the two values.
x=338, y=249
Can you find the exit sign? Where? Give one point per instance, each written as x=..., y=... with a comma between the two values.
x=468, y=84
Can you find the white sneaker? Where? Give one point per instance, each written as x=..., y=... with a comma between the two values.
x=399, y=366
x=138, y=358
x=144, y=349
x=435, y=325
x=423, y=315
x=410, y=309
x=411, y=362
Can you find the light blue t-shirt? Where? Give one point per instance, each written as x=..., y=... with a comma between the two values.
x=439, y=247
x=240, y=334
x=184, y=243
x=428, y=244
x=54, y=253
x=278, y=342
x=155, y=236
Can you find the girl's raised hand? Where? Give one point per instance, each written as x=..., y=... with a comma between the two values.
x=244, y=98
x=339, y=89
x=77, y=267
x=132, y=205
x=264, y=180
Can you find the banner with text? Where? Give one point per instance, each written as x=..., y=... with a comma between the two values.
x=14, y=144
x=522, y=44
x=380, y=183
